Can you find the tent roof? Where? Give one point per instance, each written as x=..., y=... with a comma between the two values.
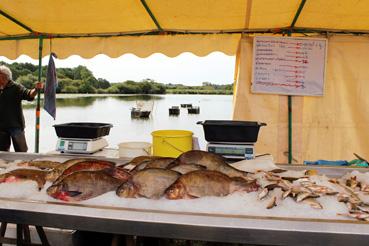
x=117, y=27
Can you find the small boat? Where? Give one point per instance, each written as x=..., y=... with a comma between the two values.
x=139, y=113
x=193, y=110
x=186, y=105
x=141, y=110
x=174, y=110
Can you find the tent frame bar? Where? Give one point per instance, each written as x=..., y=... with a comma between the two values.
x=297, y=15
x=148, y=10
x=283, y=30
x=298, y=12
x=16, y=21
x=38, y=102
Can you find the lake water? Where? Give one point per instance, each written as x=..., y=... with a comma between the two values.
x=116, y=110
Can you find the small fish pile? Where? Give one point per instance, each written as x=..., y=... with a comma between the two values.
x=351, y=193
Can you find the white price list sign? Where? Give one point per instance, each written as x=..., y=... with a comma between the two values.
x=289, y=65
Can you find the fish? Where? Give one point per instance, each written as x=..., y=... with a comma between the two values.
x=139, y=160
x=87, y=165
x=211, y=161
x=83, y=185
x=59, y=169
x=263, y=193
x=313, y=203
x=183, y=169
x=357, y=215
x=150, y=183
x=272, y=202
x=305, y=195
x=41, y=164
x=38, y=176
x=207, y=183
x=352, y=182
x=160, y=162
x=278, y=170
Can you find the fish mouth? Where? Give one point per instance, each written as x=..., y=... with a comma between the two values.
x=10, y=179
x=174, y=192
x=54, y=192
x=61, y=195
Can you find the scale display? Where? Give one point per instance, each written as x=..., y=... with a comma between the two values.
x=77, y=146
x=80, y=145
x=232, y=151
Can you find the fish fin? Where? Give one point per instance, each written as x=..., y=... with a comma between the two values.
x=73, y=193
x=40, y=184
x=191, y=196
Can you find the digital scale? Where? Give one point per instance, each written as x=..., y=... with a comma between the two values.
x=80, y=146
x=232, y=150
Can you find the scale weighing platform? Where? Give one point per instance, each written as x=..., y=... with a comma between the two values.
x=233, y=150
x=80, y=146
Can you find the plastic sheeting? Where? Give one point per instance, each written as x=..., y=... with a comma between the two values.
x=331, y=127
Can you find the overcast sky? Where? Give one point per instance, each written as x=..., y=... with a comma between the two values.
x=185, y=69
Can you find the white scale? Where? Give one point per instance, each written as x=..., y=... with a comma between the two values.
x=233, y=150
x=80, y=146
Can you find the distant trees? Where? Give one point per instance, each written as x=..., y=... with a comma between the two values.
x=81, y=80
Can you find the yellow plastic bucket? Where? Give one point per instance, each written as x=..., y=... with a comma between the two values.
x=171, y=143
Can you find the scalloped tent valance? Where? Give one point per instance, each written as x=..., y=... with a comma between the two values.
x=147, y=26
x=173, y=45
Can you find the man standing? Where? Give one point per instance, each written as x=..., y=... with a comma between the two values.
x=11, y=112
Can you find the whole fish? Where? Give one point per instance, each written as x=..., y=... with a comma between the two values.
x=207, y=183
x=183, y=169
x=88, y=165
x=139, y=160
x=209, y=160
x=24, y=174
x=83, y=185
x=59, y=169
x=44, y=164
x=160, y=162
x=149, y=183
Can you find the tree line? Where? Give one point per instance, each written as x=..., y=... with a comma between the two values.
x=81, y=80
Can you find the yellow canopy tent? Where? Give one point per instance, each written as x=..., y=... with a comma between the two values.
x=91, y=27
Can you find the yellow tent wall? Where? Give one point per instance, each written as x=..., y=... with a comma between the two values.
x=330, y=127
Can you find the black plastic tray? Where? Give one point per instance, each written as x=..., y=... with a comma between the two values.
x=86, y=130
x=231, y=131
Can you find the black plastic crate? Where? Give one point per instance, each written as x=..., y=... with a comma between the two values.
x=86, y=130
x=231, y=131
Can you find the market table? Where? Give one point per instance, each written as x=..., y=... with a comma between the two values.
x=184, y=225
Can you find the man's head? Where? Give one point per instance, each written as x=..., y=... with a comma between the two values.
x=5, y=76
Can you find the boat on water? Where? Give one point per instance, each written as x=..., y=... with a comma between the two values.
x=186, y=105
x=138, y=113
x=174, y=110
x=142, y=110
x=193, y=110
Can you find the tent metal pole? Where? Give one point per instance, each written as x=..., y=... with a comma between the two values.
x=289, y=129
x=298, y=12
x=281, y=30
x=15, y=21
x=37, y=135
x=151, y=15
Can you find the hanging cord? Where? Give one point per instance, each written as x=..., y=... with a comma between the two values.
x=51, y=47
